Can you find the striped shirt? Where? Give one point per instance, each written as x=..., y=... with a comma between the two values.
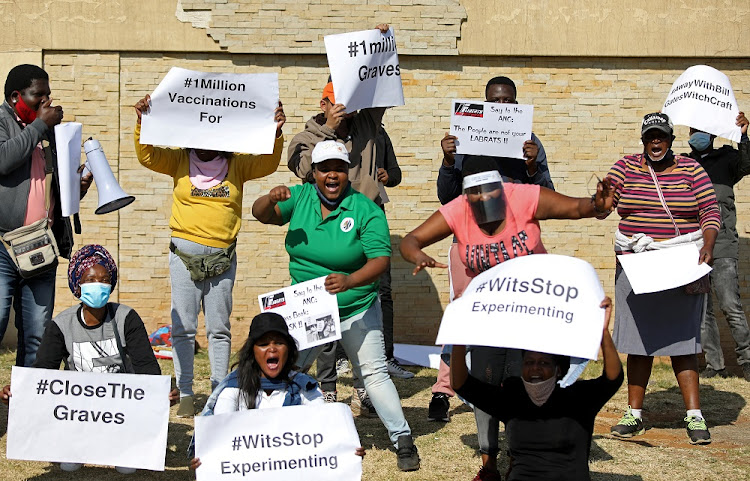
x=687, y=190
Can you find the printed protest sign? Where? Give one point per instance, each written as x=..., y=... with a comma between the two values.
x=702, y=98
x=213, y=111
x=541, y=302
x=364, y=69
x=284, y=444
x=68, y=143
x=80, y=417
x=663, y=269
x=311, y=313
x=488, y=128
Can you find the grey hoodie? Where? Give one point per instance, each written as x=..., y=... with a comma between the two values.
x=360, y=144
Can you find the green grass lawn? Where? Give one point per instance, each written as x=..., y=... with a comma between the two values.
x=449, y=451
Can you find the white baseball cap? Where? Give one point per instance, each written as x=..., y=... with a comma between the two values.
x=329, y=149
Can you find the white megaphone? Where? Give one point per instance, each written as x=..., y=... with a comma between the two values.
x=111, y=196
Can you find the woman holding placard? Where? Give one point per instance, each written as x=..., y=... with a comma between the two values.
x=205, y=222
x=263, y=377
x=95, y=335
x=663, y=200
x=337, y=232
x=548, y=427
x=495, y=221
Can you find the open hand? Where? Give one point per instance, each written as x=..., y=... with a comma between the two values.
x=423, y=261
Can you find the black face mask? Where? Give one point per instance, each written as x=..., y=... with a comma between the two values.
x=332, y=204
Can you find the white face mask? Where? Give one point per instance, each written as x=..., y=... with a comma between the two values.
x=539, y=392
x=658, y=159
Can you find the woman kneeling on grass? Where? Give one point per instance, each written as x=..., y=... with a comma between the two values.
x=263, y=377
x=96, y=335
x=549, y=428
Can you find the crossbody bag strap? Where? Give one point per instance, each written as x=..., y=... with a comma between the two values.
x=125, y=359
x=49, y=167
x=661, y=197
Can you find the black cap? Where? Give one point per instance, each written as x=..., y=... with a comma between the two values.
x=657, y=120
x=267, y=322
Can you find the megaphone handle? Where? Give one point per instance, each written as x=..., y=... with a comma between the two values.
x=85, y=169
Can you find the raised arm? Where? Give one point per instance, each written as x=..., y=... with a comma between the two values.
x=536, y=163
x=449, y=175
x=744, y=147
x=164, y=161
x=430, y=231
x=612, y=364
x=553, y=205
x=266, y=210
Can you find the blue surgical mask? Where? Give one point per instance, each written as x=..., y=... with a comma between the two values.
x=700, y=141
x=95, y=294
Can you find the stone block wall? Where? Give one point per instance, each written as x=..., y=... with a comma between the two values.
x=587, y=113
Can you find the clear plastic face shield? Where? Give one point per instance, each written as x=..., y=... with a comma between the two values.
x=486, y=196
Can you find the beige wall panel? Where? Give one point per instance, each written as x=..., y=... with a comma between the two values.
x=98, y=25
x=87, y=86
x=635, y=28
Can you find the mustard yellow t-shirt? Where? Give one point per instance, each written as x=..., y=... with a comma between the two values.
x=212, y=216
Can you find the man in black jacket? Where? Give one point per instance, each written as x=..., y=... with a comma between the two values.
x=725, y=166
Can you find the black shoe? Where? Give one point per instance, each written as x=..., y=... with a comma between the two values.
x=708, y=373
x=697, y=430
x=439, y=406
x=628, y=426
x=407, y=456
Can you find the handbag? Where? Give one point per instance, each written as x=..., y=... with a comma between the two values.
x=32, y=247
x=698, y=286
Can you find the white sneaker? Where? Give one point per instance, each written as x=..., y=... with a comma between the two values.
x=70, y=466
x=124, y=470
x=342, y=367
x=395, y=369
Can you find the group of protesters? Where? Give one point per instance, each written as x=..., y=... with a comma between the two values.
x=337, y=228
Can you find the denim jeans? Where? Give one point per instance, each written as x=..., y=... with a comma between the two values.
x=362, y=338
x=725, y=284
x=33, y=301
x=214, y=294
x=492, y=365
x=326, y=366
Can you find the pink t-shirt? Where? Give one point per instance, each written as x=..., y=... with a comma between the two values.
x=35, y=204
x=520, y=236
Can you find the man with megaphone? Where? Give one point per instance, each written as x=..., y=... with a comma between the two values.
x=33, y=230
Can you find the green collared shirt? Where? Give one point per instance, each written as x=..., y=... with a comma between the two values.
x=342, y=242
